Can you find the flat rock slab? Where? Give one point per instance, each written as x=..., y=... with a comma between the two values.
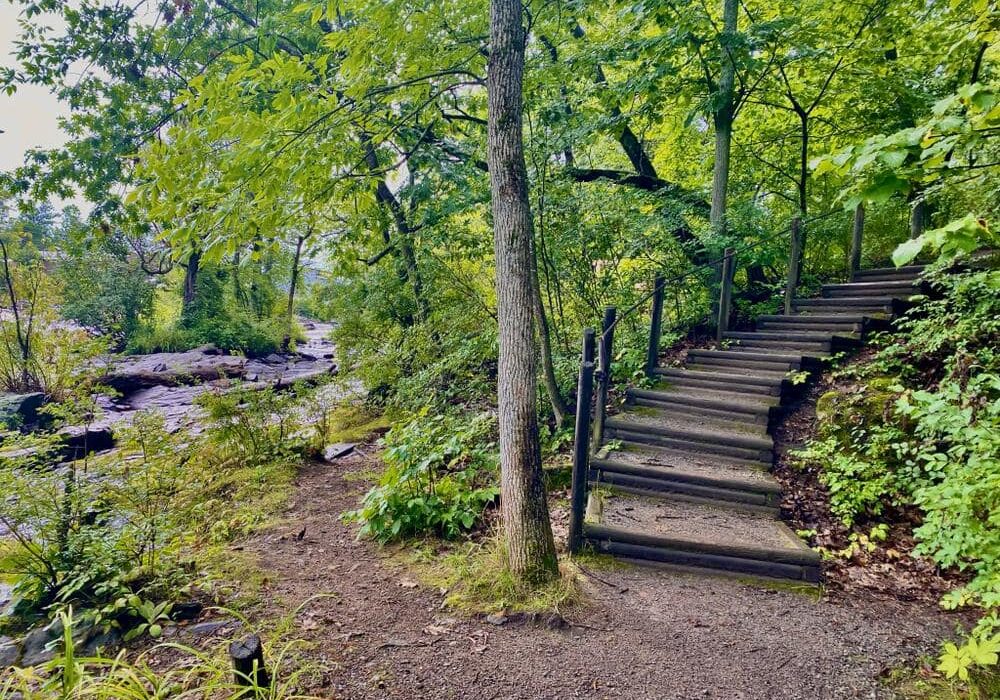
x=129, y=375
x=696, y=523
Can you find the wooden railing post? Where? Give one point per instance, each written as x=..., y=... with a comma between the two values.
x=653, y=351
x=581, y=444
x=854, y=264
x=604, y=351
x=794, y=259
x=725, y=294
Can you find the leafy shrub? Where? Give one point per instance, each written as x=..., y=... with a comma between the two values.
x=201, y=674
x=111, y=534
x=440, y=476
x=922, y=428
x=106, y=293
x=216, y=317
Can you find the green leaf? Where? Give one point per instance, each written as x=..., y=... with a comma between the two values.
x=907, y=251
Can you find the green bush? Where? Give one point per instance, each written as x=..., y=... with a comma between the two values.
x=921, y=428
x=440, y=476
x=214, y=318
x=106, y=293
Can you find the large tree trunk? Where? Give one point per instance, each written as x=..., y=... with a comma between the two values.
x=723, y=118
x=531, y=551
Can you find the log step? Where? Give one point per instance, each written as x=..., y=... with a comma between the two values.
x=847, y=304
x=899, y=290
x=777, y=361
x=698, y=535
x=759, y=494
x=888, y=273
x=707, y=438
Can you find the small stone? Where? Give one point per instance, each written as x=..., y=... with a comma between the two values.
x=337, y=450
x=10, y=652
x=186, y=610
x=206, y=628
x=496, y=619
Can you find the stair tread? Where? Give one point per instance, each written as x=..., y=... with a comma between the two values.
x=814, y=318
x=875, y=284
x=803, y=353
x=668, y=465
x=716, y=375
x=694, y=425
x=666, y=522
x=741, y=370
x=904, y=270
x=766, y=356
x=801, y=336
x=741, y=402
x=836, y=300
x=652, y=453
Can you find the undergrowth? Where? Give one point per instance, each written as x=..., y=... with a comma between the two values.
x=917, y=435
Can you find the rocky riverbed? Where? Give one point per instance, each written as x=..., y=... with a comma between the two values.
x=169, y=383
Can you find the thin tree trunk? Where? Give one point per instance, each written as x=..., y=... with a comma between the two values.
x=803, y=186
x=559, y=410
x=191, y=279
x=286, y=342
x=723, y=118
x=527, y=531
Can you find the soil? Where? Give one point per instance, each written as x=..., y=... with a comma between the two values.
x=889, y=570
x=639, y=632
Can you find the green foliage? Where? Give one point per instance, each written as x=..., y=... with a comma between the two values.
x=216, y=317
x=926, y=434
x=38, y=351
x=112, y=534
x=201, y=674
x=440, y=476
x=105, y=291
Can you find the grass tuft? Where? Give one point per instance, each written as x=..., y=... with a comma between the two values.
x=478, y=580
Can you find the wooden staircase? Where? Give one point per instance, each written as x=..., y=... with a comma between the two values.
x=682, y=475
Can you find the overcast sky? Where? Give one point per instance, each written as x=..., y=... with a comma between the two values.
x=29, y=118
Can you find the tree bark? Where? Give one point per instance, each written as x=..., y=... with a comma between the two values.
x=286, y=342
x=191, y=269
x=559, y=410
x=723, y=118
x=527, y=532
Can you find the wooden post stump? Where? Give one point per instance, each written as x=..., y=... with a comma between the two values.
x=725, y=294
x=581, y=445
x=794, y=260
x=248, y=663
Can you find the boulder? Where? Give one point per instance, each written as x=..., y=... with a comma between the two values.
x=20, y=409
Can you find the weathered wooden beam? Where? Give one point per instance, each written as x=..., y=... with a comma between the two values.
x=604, y=352
x=581, y=444
x=794, y=259
x=655, y=323
x=854, y=264
x=725, y=293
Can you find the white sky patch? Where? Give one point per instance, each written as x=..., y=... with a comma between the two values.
x=29, y=117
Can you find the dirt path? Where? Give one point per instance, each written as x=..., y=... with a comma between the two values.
x=650, y=634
